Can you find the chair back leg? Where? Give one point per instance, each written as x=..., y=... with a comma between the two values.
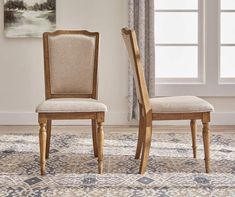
x=193, y=126
x=146, y=143
x=48, y=127
x=140, y=134
x=94, y=137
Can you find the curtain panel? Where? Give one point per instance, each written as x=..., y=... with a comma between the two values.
x=141, y=19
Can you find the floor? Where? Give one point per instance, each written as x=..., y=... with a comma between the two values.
x=71, y=169
x=115, y=128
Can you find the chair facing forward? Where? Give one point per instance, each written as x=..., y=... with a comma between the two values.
x=70, y=67
x=166, y=108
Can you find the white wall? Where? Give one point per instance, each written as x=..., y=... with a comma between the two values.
x=21, y=64
x=21, y=61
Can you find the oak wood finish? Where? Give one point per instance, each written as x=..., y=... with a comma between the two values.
x=45, y=119
x=146, y=142
x=94, y=136
x=194, y=135
x=100, y=137
x=141, y=133
x=146, y=115
x=42, y=143
x=206, y=142
x=48, y=130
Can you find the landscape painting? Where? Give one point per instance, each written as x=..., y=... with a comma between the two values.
x=29, y=18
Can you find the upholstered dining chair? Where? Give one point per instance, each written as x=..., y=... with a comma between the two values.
x=164, y=108
x=70, y=68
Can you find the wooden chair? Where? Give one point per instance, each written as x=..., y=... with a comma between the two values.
x=166, y=108
x=70, y=67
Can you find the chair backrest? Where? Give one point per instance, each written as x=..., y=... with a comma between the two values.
x=70, y=63
x=130, y=40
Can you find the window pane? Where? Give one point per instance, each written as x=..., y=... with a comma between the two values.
x=176, y=27
x=176, y=4
x=227, y=62
x=176, y=62
x=227, y=4
x=227, y=28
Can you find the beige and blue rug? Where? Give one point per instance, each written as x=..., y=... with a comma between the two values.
x=72, y=170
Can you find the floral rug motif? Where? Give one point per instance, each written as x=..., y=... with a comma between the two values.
x=72, y=170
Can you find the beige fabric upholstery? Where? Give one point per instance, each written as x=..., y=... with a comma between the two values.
x=180, y=104
x=71, y=59
x=71, y=105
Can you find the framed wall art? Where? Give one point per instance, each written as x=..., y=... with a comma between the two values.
x=29, y=18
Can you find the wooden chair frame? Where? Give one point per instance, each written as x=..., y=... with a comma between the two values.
x=45, y=119
x=146, y=115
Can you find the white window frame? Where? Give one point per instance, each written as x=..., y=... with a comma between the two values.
x=209, y=84
x=220, y=79
x=200, y=66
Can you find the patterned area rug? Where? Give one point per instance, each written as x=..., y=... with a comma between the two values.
x=72, y=169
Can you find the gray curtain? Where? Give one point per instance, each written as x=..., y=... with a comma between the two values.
x=141, y=18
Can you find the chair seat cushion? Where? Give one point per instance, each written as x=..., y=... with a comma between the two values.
x=71, y=105
x=180, y=104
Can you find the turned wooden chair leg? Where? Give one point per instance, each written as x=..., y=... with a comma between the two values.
x=206, y=141
x=140, y=136
x=146, y=146
x=100, y=141
x=42, y=144
x=48, y=130
x=193, y=126
x=94, y=136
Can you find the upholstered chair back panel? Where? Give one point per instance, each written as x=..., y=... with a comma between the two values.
x=71, y=63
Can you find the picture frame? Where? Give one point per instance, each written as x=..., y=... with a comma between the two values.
x=29, y=18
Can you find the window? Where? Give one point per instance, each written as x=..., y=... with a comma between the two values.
x=178, y=41
x=195, y=47
x=227, y=41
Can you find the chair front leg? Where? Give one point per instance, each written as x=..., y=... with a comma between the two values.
x=193, y=126
x=94, y=136
x=48, y=130
x=42, y=144
x=206, y=142
x=100, y=140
